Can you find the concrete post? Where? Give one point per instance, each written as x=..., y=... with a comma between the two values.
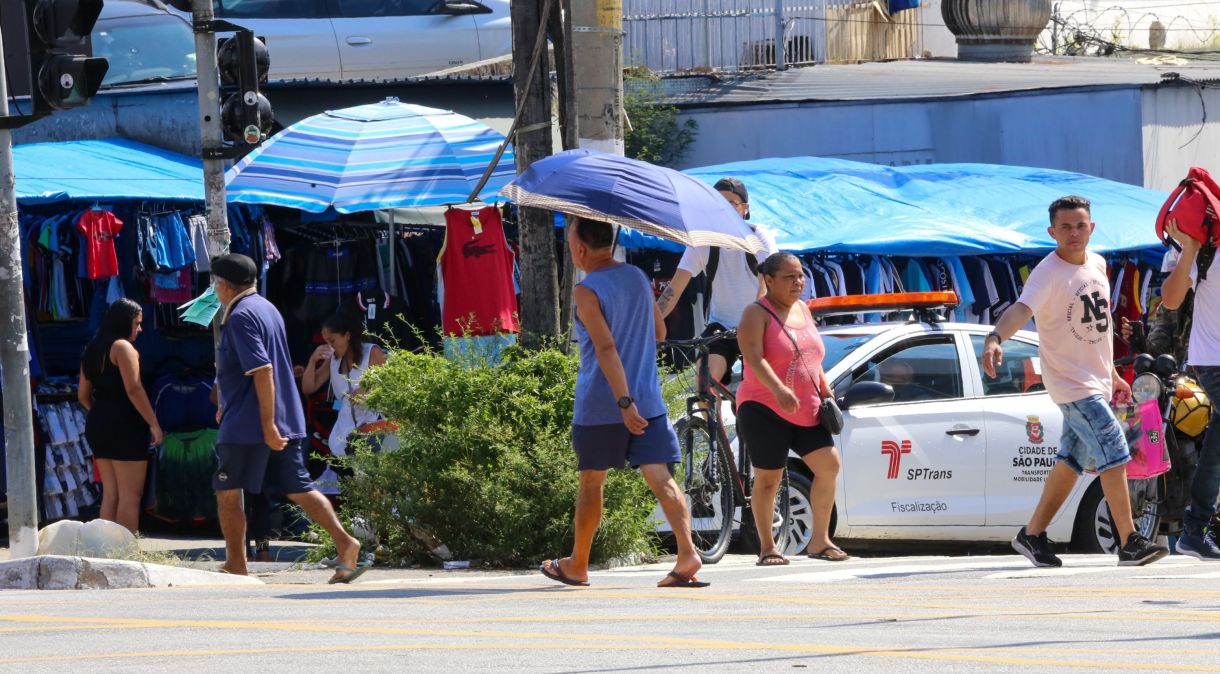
x=597, y=40
x=15, y=359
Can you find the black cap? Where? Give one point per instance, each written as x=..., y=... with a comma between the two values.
x=735, y=186
x=235, y=268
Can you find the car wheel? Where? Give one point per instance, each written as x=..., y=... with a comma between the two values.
x=1094, y=532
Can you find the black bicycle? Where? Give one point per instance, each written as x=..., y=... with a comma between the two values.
x=716, y=482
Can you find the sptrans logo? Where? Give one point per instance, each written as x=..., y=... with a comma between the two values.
x=895, y=451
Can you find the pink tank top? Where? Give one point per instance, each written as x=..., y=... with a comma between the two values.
x=787, y=365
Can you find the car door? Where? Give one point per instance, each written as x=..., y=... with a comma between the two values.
x=299, y=35
x=394, y=39
x=495, y=30
x=919, y=460
x=1022, y=427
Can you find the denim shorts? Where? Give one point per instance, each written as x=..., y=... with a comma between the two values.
x=1093, y=440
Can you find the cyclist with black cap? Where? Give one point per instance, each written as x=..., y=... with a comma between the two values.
x=733, y=280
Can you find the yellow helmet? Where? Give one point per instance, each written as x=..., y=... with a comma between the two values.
x=1191, y=414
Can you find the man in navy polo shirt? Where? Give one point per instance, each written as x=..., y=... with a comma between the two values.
x=260, y=446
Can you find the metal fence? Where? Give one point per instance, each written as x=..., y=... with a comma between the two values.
x=685, y=36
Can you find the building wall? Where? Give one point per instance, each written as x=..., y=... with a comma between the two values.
x=1175, y=135
x=1095, y=132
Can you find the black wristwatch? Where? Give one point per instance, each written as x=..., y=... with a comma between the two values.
x=625, y=402
x=998, y=338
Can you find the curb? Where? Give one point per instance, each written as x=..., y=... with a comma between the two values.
x=53, y=572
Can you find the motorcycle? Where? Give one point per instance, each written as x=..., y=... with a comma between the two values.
x=1158, y=503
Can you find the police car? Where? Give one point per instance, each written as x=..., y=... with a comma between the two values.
x=941, y=452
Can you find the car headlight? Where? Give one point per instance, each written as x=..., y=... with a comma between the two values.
x=1147, y=386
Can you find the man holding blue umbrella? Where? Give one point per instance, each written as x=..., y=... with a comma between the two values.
x=619, y=415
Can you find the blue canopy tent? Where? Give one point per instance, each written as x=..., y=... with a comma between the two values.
x=111, y=169
x=834, y=205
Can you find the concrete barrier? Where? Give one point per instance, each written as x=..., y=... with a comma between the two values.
x=53, y=572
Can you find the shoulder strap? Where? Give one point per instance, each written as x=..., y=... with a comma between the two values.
x=782, y=326
x=709, y=272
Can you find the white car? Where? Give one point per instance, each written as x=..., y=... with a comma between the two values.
x=955, y=456
x=372, y=40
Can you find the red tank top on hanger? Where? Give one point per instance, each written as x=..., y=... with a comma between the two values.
x=477, y=268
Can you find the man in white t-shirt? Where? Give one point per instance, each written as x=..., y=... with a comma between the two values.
x=1068, y=296
x=735, y=282
x=1204, y=358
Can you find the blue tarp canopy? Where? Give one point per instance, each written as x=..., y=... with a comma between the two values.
x=111, y=169
x=835, y=205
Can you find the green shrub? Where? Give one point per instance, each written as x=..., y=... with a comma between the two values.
x=485, y=466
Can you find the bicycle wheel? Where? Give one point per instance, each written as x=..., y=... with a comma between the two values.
x=706, y=482
x=781, y=518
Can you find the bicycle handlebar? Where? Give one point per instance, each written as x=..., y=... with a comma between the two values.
x=698, y=342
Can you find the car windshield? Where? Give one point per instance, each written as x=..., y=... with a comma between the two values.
x=145, y=49
x=838, y=345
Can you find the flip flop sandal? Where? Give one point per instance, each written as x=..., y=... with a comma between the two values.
x=682, y=581
x=551, y=569
x=825, y=557
x=762, y=561
x=352, y=574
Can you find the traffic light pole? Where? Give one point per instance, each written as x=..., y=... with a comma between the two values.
x=15, y=359
x=210, y=129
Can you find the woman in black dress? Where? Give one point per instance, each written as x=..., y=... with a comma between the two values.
x=121, y=420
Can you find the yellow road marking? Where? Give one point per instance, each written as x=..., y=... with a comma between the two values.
x=568, y=642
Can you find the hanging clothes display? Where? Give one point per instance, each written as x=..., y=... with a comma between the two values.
x=476, y=267
x=99, y=229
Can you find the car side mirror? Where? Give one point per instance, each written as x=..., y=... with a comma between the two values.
x=461, y=7
x=867, y=393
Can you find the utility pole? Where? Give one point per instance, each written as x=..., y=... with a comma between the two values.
x=597, y=69
x=539, y=307
x=15, y=358
x=210, y=129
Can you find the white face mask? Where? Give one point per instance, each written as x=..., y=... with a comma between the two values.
x=1170, y=261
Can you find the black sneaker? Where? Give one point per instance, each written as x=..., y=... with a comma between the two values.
x=1036, y=549
x=1140, y=551
x=1198, y=545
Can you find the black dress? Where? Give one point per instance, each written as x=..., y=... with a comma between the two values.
x=114, y=429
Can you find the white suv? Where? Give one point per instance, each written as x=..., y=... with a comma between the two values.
x=372, y=40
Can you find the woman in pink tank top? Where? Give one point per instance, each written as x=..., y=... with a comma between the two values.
x=779, y=401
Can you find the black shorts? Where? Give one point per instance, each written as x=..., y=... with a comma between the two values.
x=725, y=348
x=768, y=436
x=606, y=446
x=258, y=470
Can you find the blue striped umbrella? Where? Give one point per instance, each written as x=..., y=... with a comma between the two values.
x=370, y=157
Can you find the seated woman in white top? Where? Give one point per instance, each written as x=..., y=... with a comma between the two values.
x=342, y=360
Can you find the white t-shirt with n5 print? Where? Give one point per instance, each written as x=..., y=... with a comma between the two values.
x=1071, y=305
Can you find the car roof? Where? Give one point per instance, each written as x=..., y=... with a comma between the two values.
x=121, y=9
x=912, y=326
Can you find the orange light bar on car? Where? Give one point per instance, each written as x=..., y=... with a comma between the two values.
x=882, y=302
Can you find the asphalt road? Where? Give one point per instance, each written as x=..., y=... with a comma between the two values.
x=945, y=614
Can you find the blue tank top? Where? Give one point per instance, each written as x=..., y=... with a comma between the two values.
x=625, y=295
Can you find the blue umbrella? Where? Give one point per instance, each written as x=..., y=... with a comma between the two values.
x=371, y=157
x=634, y=194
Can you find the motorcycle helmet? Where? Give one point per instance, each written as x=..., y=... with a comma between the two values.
x=1190, y=415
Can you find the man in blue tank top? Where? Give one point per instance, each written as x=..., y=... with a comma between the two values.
x=620, y=415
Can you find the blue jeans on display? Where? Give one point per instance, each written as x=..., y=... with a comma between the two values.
x=1206, y=485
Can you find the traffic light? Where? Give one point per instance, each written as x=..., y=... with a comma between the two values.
x=58, y=31
x=245, y=114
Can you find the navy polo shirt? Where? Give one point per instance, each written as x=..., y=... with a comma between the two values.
x=251, y=338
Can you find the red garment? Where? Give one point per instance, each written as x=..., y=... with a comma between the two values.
x=1129, y=306
x=477, y=268
x=99, y=229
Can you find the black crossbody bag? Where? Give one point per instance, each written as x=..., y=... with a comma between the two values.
x=831, y=415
